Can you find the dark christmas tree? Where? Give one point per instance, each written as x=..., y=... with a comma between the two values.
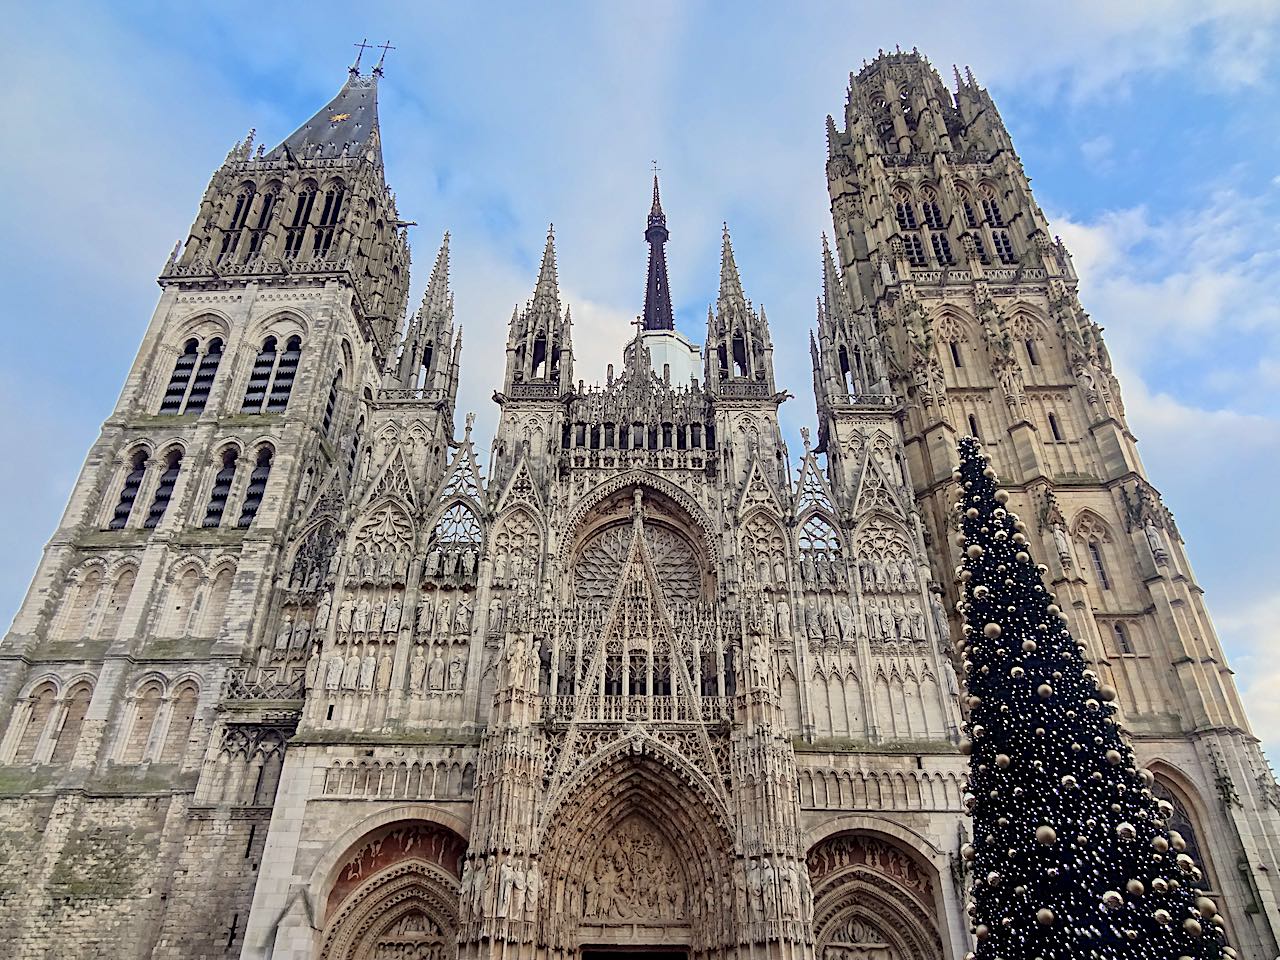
x=1072, y=856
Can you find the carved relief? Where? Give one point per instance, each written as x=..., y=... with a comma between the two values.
x=634, y=877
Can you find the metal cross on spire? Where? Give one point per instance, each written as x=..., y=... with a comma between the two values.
x=361, y=47
x=384, y=47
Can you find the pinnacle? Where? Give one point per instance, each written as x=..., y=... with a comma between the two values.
x=436, y=297
x=656, y=209
x=548, y=286
x=730, y=281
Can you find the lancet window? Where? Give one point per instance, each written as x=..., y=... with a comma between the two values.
x=271, y=379
x=222, y=482
x=257, y=486
x=164, y=488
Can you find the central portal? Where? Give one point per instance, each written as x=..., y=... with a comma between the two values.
x=633, y=953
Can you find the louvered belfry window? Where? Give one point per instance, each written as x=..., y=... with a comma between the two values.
x=257, y=487
x=222, y=481
x=129, y=492
x=205, y=373
x=180, y=379
x=164, y=489
x=264, y=365
x=286, y=370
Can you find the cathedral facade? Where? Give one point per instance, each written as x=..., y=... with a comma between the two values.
x=295, y=678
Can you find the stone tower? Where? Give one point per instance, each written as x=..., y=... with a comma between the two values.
x=295, y=678
x=955, y=300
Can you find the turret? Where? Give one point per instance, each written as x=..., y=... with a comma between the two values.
x=739, y=351
x=539, y=340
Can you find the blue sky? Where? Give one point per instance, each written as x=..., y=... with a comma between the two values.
x=1151, y=132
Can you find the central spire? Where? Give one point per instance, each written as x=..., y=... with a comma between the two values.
x=657, y=294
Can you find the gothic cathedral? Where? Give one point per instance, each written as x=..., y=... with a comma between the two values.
x=297, y=679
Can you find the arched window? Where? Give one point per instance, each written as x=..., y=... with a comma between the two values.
x=1099, y=568
x=931, y=210
x=84, y=599
x=42, y=702
x=255, y=393
x=957, y=359
x=142, y=718
x=239, y=214
x=331, y=404
x=286, y=370
x=973, y=427
x=941, y=248
x=296, y=232
x=330, y=213
x=205, y=373
x=914, y=248
x=1180, y=820
x=271, y=380
x=1004, y=246
x=818, y=534
x=129, y=492
x=182, y=597
x=114, y=612
x=216, y=604
x=75, y=707
x=904, y=210
x=991, y=208
x=1054, y=428
x=353, y=452
x=258, y=232
x=181, y=715
x=257, y=487
x=1033, y=355
x=179, y=380
x=1123, y=643
x=222, y=482
x=164, y=489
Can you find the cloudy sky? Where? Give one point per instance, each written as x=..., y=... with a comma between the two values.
x=1151, y=132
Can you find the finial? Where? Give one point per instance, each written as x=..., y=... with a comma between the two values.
x=804, y=436
x=361, y=47
x=384, y=48
x=471, y=422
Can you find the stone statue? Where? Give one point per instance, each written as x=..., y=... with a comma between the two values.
x=1063, y=543
x=391, y=622
x=759, y=654
x=313, y=669
x=322, y=611
x=301, y=634
x=345, y=611
x=433, y=562
x=779, y=570
x=435, y=672
x=360, y=620
x=384, y=671
x=845, y=614
x=908, y=574
x=939, y=613
x=457, y=667
x=426, y=614
x=468, y=561
x=350, y=671
x=377, y=615
x=285, y=632
x=784, y=620
x=533, y=890
x=495, y=613
x=1155, y=541
x=462, y=615
x=333, y=673
x=417, y=670
x=368, y=667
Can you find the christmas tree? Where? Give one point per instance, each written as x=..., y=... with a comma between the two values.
x=1071, y=856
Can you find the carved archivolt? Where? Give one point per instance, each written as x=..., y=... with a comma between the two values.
x=695, y=517
x=396, y=895
x=873, y=900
